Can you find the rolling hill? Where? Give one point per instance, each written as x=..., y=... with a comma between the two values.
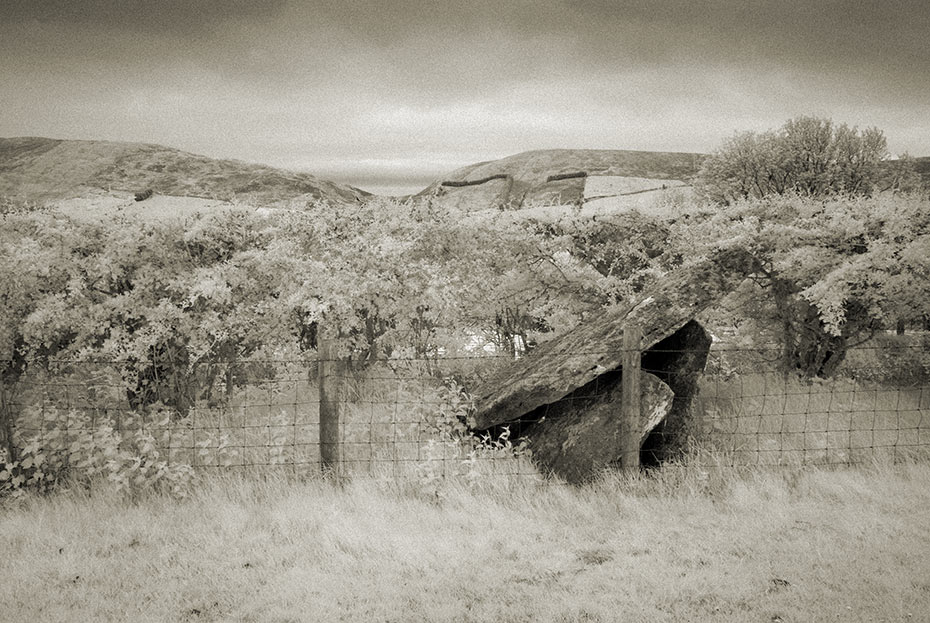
x=96, y=177
x=562, y=176
x=49, y=170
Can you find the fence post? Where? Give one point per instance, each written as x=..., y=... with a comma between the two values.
x=630, y=416
x=331, y=371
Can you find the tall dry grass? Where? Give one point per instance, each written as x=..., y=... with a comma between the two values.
x=683, y=543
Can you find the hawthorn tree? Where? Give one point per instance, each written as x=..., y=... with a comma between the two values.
x=808, y=155
x=360, y=272
x=171, y=308
x=629, y=250
x=398, y=280
x=901, y=175
x=180, y=305
x=832, y=272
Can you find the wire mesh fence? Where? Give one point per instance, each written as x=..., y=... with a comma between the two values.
x=876, y=407
x=765, y=419
x=406, y=418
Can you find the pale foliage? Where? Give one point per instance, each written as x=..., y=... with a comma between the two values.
x=807, y=155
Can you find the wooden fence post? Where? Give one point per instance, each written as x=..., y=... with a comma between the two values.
x=331, y=372
x=631, y=419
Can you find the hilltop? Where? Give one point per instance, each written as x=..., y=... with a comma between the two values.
x=96, y=177
x=563, y=176
x=49, y=170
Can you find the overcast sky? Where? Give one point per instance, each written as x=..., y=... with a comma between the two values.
x=388, y=94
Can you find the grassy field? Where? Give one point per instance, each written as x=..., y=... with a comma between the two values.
x=683, y=544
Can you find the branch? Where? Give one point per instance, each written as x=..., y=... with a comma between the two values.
x=872, y=334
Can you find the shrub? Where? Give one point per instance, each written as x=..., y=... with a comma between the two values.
x=807, y=155
x=895, y=360
x=454, y=454
x=73, y=449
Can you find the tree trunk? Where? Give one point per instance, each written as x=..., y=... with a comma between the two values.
x=11, y=371
x=164, y=378
x=809, y=348
x=7, y=417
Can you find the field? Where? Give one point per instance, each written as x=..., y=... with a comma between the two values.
x=678, y=545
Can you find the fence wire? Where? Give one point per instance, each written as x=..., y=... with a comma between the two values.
x=405, y=418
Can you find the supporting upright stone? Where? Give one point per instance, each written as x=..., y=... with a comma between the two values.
x=581, y=434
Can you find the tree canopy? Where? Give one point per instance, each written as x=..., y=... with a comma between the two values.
x=808, y=155
x=833, y=272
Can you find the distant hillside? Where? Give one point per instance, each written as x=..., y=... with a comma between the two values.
x=922, y=168
x=906, y=172
x=41, y=169
x=554, y=176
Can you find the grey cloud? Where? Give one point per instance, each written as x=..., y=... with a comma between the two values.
x=602, y=30
x=164, y=16
x=289, y=82
x=443, y=50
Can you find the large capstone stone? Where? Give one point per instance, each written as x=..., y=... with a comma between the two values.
x=546, y=396
x=584, y=353
x=579, y=435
